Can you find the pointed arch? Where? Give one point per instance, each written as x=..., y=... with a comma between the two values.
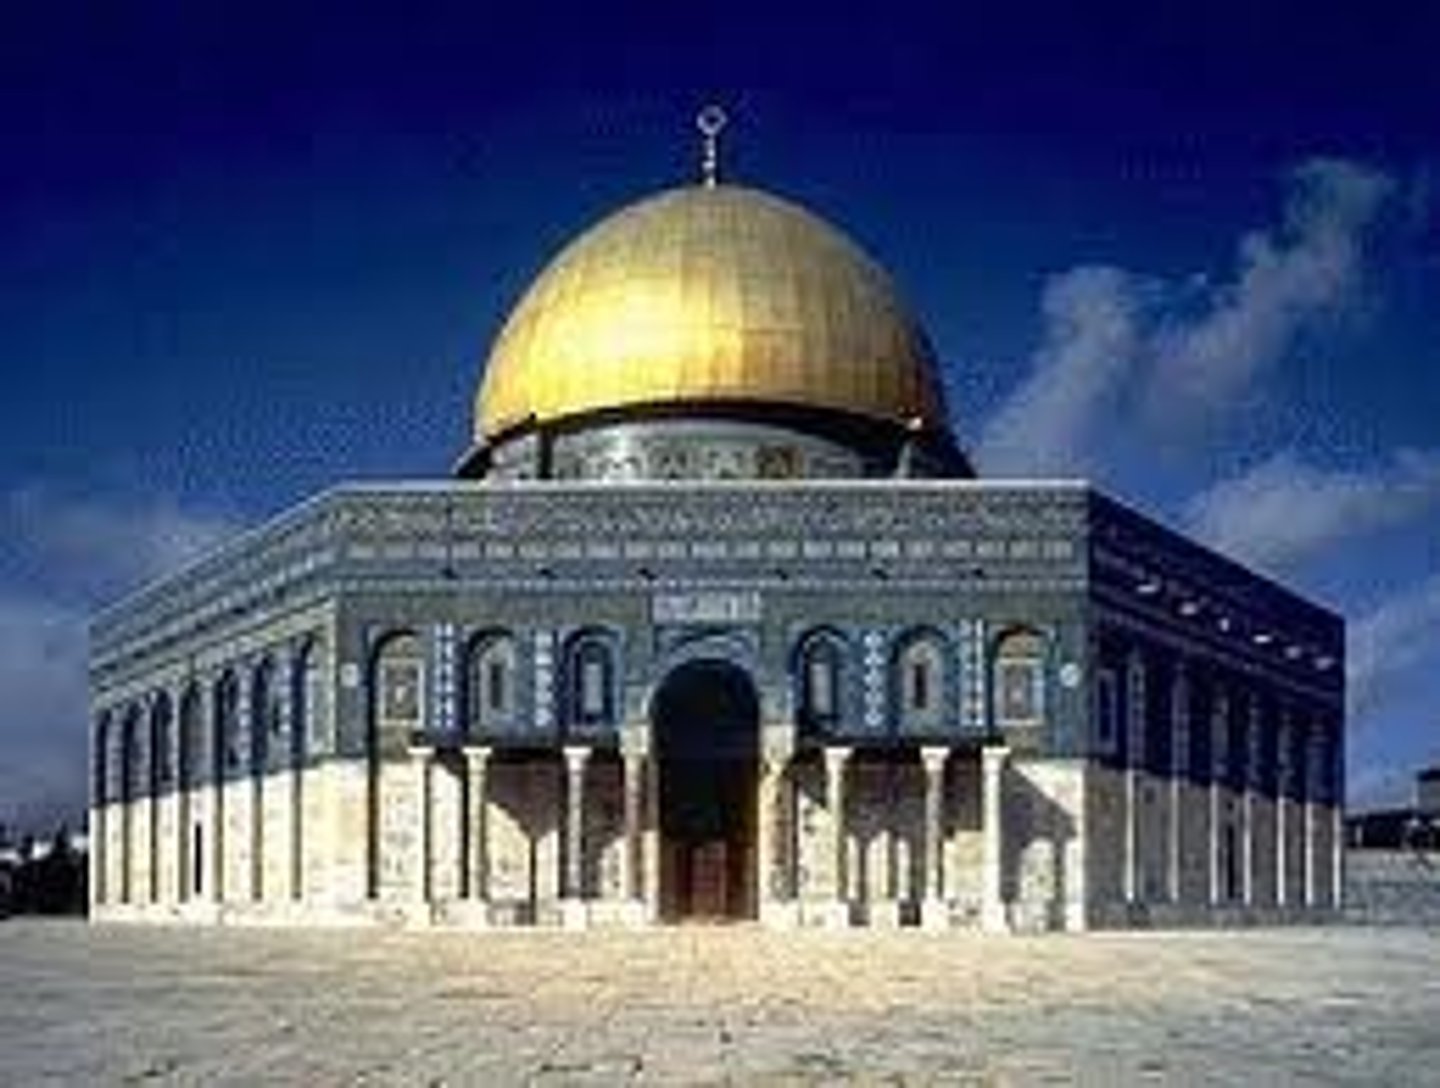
x=590, y=679
x=1017, y=676
x=306, y=713
x=162, y=742
x=191, y=735
x=100, y=792
x=132, y=763
x=491, y=681
x=920, y=681
x=820, y=668
x=398, y=678
x=267, y=714
x=225, y=749
x=131, y=771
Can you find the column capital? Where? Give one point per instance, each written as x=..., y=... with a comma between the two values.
x=420, y=751
x=775, y=762
x=777, y=741
x=635, y=739
x=477, y=756
x=933, y=756
x=996, y=755
x=576, y=756
x=837, y=756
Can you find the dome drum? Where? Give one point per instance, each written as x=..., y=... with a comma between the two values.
x=715, y=440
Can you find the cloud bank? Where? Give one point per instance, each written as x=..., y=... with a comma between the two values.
x=1400, y=635
x=1176, y=353
x=1284, y=510
x=1090, y=340
x=74, y=554
x=1285, y=280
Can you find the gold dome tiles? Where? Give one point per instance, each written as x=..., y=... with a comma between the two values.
x=702, y=293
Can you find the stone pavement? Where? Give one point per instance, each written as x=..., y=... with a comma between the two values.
x=141, y=1005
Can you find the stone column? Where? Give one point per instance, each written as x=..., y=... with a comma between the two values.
x=1131, y=882
x=98, y=852
x=630, y=866
x=572, y=889
x=766, y=846
x=1215, y=814
x=1249, y=775
x=292, y=770
x=1219, y=741
x=1135, y=741
x=152, y=817
x=216, y=805
x=933, y=913
x=835, y=762
x=776, y=850
x=650, y=841
x=993, y=913
x=1282, y=810
x=1305, y=792
x=1309, y=860
x=421, y=757
x=1337, y=854
x=1333, y=793
x=476, y=838
x=184, y=815
x=1179, y=763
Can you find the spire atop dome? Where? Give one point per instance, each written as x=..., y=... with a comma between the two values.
x=711, y=122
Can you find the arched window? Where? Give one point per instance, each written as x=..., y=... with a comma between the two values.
x=919, y=682
x=305, y=711
x=1019, y=678
x=162, y=753
x=590, y=680
x=192, y=738
x=100, y=792
x=491, y=682
x=227, y=724
x=131, y=762
x=820, y=669
x=399, y=690
x=267, y=714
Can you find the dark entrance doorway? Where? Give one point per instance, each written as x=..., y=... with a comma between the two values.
x=707, y=731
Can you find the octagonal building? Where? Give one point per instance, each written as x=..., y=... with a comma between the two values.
x=714, y=621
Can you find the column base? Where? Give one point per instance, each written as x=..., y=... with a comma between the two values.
x=934, y=914
x=883, y=914
x=780, y=914
x=574, y=914
x=826, y=914
x=464, y=913
x=995, y=918
x=617, y=914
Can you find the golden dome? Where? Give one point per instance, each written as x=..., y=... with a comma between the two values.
x=709, y=293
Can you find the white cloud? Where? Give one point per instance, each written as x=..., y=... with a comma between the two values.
x=42, y=690
x=1183, y=349
x=1395, y=639
x=1286, y=279
x=1379, y=786
x=1284, y=510
x=77, y=553
x=1090, y=341
x=105, y=546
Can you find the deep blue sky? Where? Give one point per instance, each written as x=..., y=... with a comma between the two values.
x=247, y=251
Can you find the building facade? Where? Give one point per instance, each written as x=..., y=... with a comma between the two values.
x=714, y=621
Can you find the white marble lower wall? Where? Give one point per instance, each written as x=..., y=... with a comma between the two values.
x=1232, y=856
x=308, y=852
